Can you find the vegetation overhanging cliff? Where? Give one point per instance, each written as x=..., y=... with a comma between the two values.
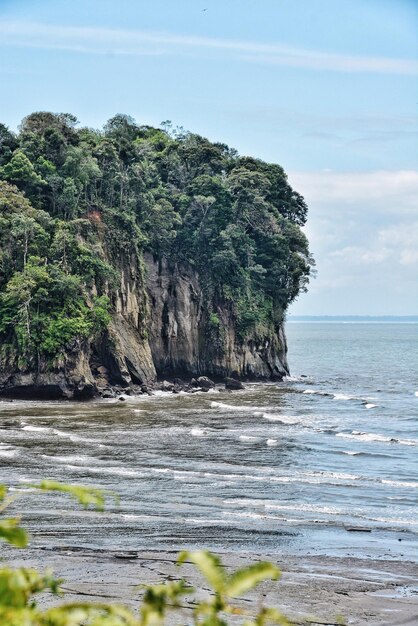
x=135, y=252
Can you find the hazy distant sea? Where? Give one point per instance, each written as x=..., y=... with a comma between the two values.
x=352, y=319
x=285, y=467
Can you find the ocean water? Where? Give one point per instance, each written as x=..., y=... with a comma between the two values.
x=291, y=467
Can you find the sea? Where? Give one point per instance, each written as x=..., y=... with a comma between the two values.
x=324, y=462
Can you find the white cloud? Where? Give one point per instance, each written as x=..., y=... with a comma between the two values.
x=375, y=256
x=401, y=235
x=338, y=62
x=383, y=191
x=355, y=255
x=409, y=257
x=363, y=231
x=94, y=40
x=402, y=239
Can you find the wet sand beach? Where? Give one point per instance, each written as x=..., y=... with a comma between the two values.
x=315, y=589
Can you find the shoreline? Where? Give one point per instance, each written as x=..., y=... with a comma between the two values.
x=318, y=587
x=321, y=530
x=112, y=391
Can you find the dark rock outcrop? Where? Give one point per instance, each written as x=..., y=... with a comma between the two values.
x=205, y=382
x=71, y=377
x=159, y=328
x=178, y=332
x=233, y=384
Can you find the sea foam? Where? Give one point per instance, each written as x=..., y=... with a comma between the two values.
x=38, y=429
x=198, y=432
x=231, y=407
x=361, y=436
x=7, y=454
x=399, y=483
x=283, y=419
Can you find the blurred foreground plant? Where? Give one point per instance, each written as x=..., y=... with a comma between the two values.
x=19, y=586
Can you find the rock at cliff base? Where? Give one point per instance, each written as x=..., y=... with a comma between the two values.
x=205, y=382
x=232, y=383
x=166, y=386
x=107, y=394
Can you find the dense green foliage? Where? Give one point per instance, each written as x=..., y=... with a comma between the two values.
x=75, y=200
x=20, y=586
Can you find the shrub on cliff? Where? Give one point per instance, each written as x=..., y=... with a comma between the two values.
x=46, y=270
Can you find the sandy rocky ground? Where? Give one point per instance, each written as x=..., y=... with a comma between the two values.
x=313, y=589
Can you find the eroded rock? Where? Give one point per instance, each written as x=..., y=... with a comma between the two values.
x=233, y=384
x=205, y=383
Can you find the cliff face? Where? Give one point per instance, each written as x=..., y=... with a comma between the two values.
x=124, y=350
x=181, y=338
x=158, y=329
x=70, y=378
x=135, y=253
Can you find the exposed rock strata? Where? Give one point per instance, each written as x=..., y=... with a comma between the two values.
x=160, y=328
x=70, y=378
x=178, y=332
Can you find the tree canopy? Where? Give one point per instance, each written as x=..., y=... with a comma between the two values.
x=71, y=197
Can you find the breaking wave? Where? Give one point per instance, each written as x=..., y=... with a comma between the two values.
x=369, y=437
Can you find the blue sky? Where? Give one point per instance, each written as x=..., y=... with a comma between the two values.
x=326, y=88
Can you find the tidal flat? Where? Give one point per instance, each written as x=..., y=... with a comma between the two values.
x=313, y=589
x=316, y=473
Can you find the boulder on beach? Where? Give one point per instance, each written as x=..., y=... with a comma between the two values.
x=166, y=386
x=108, y=393
x=205, y=382
x=233, y=383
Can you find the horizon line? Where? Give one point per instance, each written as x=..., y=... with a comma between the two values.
x=355, y=316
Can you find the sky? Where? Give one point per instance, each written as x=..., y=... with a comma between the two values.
x=326, y=88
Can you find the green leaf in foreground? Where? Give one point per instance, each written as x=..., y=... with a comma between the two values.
x=158, y=598
x=249, y=577
x=78, y=614
x=11, y=532
x=17, y=586
x=269, y=616
x=209, y=565
x=86, y=496
x=3, y=492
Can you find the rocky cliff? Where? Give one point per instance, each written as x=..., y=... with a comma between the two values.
x=133, y=254
x=171, y=339
x=181, y=338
